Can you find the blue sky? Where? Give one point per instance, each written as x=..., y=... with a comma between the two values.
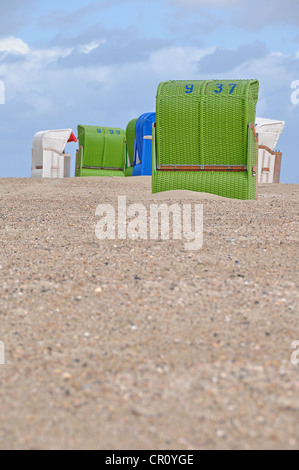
x=66, y=63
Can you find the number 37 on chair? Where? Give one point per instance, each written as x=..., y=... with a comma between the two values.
x=218, y=88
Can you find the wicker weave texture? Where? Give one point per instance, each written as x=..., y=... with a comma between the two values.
x=102, y=147
x=205, y=123
x=226, y=184
x=89, y=172
x=79, y=159
x=129, y=171
x=130, y=136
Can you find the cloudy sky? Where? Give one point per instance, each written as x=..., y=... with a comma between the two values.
x=65, y=63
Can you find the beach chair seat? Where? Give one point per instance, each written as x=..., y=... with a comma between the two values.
x=143, y=145
x=101, y=152
x=269, y=160
x=49, y=159
x=130, y=139
x=204, y=137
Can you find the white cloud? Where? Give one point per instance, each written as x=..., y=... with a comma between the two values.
x=40, y=81
x=44, y=93
x=177, y=62
x=87, y=48
x=13, y=45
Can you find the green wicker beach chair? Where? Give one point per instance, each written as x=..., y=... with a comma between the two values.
x=205, y=139
x=102, y=151
x=130, y=136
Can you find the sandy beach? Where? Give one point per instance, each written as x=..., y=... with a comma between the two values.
x=142, y=344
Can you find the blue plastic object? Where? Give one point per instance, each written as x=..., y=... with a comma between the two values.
x=143, y=145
